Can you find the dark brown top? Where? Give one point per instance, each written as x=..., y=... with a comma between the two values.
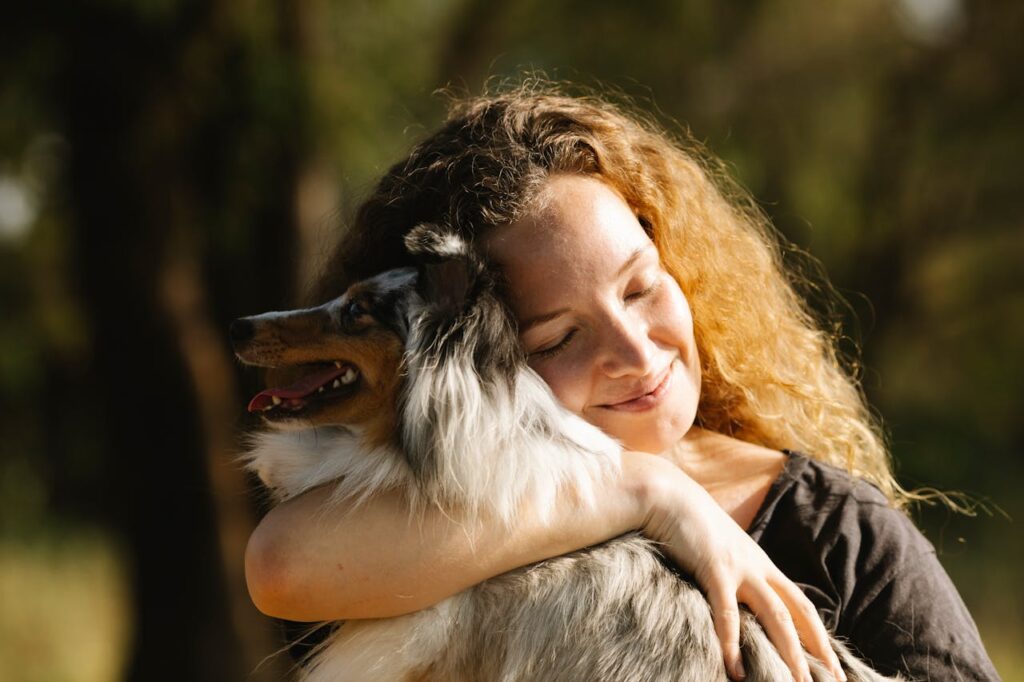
x=874, y=577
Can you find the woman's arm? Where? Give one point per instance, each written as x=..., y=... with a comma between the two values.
x=901, y=610
x=917, y=624
x=307, y=565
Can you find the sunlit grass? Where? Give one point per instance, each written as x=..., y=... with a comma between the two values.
x=63, y=610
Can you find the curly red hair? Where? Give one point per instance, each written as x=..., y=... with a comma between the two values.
x=770, y=374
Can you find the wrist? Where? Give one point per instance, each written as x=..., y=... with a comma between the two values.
x=652, y=484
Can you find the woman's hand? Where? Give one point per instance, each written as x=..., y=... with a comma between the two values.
x=702, y=539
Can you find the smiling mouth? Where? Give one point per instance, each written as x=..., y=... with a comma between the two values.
x=324, y=384
x=646, y=400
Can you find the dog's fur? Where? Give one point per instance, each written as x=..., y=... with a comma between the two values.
x=444, y=409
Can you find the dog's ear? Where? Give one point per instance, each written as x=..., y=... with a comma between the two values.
x=448, y=269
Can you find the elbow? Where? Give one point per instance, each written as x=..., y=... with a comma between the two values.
x=298, y=570
x=270, y=576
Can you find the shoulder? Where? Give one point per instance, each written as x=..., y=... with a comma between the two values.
x=874, y=576
x=832, y=511
x=838, y=533
x=841, y=513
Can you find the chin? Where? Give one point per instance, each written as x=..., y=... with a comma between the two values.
x=659, y=432
x=655, y=444
x=654, y=438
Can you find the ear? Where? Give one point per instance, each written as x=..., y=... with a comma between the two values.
x=448, y=268
x=433, y=243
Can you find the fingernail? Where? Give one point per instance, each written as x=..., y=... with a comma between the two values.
x=738, y=670
x=840, y=675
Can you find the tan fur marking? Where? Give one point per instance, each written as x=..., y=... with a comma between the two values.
x=289, y=345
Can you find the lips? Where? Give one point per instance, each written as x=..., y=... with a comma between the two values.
x=646, y=395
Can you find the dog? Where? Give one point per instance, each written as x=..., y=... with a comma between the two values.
x=413, y=380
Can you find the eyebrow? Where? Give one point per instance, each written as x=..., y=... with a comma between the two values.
x=532, y=322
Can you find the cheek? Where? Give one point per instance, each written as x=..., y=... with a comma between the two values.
x=566, y=381
x=673, y=318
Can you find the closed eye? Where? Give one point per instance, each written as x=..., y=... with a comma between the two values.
x=557, y=348
x=643, y=293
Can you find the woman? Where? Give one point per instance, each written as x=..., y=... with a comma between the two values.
x=651, y=299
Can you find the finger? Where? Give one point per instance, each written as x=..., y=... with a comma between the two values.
x=777, y=621
x=809, y=627
x=726, y=614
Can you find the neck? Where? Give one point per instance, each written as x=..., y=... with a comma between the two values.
x=736, y=473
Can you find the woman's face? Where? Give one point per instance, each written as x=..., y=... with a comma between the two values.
x=602, y=322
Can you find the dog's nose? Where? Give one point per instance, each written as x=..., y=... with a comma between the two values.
x=240, y=331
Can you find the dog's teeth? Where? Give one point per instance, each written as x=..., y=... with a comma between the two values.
x=337, y=364
x=320, y=390
x=349, y=376
x=277, y=401
x=336, y=384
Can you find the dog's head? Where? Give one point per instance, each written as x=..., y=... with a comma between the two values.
x=336, y=364
x=341, y=363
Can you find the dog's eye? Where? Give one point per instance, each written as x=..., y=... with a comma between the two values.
x=355, y=310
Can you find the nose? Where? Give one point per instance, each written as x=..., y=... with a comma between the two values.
x=627, y=350
x=240, y=331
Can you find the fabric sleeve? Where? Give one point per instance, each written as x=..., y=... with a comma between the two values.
x=900, y=609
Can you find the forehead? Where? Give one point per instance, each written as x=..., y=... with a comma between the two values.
x=576, y=238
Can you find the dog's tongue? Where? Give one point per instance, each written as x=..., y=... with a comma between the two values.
x=299, y=389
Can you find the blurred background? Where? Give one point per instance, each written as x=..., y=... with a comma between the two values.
x=166, y=166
